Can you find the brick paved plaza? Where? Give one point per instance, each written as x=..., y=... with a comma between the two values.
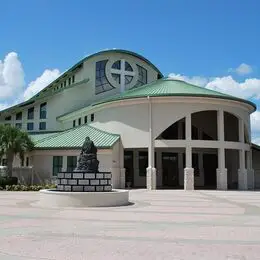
x=162, y=224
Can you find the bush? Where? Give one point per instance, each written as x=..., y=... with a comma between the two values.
x=28, y=188
x=5, y=180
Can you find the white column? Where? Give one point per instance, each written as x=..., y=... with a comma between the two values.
x=221, y=171
x=64, y=163
x=242, y=172
x=150, y=171
x=188, y=171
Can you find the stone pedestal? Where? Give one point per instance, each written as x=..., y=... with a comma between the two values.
x=250, y=179
x=188, y=179
x=242, y=179
x=84, y=181
x=151, y=178
x=222, y=179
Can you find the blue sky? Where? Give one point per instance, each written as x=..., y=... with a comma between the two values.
x=202, y=39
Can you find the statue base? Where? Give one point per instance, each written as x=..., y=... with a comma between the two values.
x=81, y=181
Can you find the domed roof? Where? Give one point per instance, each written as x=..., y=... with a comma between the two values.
x=173, y=87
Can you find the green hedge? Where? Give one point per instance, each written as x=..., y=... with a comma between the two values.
x=4, y=181
x=28, y=188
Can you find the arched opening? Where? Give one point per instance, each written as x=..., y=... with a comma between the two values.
x=204, y=125
x=231, y=127
x=175, y=131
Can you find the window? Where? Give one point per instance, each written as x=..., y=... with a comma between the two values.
x=61, y=85
x=117, y=72
x=85, y=119
x=18, y=125
x=92, y=117
x=142, y=76
x=42, y=126
x=29, y=126
x=73, y=78
x=27, y=161
x=64, y=83
x=74, y=123
x=143, y=163
x=8, y=118
x=79, y=121
x=57, y=165
x=4, y=162
x=30, y=114
x=43, y=111
x=102, y=84
x=19, y=116
x=69, y=81
x=71, y=163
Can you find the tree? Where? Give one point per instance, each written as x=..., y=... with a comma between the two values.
x=13, y=141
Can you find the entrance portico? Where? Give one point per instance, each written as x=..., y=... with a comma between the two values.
x=180, y=151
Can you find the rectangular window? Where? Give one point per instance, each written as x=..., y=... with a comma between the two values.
x=8, y=118
x=92, y=117
x=42, y=126
x=19, y=116
x=73, y=78
x=64, y=83
x=61, y=85
x=71, y=163
x=85, y=119
x=79, y=121
x=43, y=110
x=30, y=114
x=27, y=161
x=18, y=125
x=69, y=81
x=57, y=165
x=29, y=126
x=74, y=123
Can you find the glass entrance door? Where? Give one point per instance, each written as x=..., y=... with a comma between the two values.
x=170, y=172
x=129, y=168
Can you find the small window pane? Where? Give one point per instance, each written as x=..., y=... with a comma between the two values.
x=117, y=65
x=57, y=164
x=85, y=119
x=71, y=163
x=19, y=116
x=79, y=121
x=29, y=126
x=92, y=117
x=30, y=113
x=42, y=126
x=43, y=111
x=74, y=123
x=128, y=67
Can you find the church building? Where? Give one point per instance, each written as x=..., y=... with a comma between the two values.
x=150, y=130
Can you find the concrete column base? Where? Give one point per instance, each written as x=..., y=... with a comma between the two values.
x=122, y=178
x=222, y=179
x=151, y=178
x=250, y=179
x=188, y=179
x=242, y=179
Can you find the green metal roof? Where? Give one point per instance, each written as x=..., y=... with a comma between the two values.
x=47, y=91
x=36, y=137
x=75, y=137
x=171, y=87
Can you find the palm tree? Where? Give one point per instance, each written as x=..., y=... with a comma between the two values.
x=13, y=141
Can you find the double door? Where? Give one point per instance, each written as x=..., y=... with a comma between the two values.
x=170, y=174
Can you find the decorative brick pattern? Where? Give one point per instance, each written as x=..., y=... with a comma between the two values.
x=84, y=182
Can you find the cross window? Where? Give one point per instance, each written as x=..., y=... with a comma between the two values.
x=122, y=72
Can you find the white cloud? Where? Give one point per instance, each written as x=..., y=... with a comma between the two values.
x=11, y=76
x=250, y=88
x=13, y=89
x=41, y=82
x=242, y=69
x=196, y=80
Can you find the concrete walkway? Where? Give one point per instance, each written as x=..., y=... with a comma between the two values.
x=163, y=224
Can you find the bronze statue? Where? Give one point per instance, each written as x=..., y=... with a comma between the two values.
x=87, y=161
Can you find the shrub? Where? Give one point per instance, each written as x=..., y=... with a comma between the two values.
x=5, y=180
x=28, y=188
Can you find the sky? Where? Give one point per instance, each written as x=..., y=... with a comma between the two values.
x=211, y=43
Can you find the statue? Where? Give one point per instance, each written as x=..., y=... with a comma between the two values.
x=87, y=161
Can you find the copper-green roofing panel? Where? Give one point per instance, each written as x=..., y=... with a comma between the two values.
x=74, y=138
x=172, y=87
x=40, y=136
